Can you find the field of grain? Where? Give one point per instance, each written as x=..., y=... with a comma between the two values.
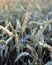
x=25, y=32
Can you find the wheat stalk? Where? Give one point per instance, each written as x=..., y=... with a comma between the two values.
x=6, y=30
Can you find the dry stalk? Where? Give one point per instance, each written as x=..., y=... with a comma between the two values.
x=6, y=22
x=9, y=24
x=45, y=45
x=6, y=30
x=25, y=22
x=12, y=27
x=31, y=48
x=35, y=56
x=17, y=45
x=46, y=24
x=2, y=42
x=6, y=42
